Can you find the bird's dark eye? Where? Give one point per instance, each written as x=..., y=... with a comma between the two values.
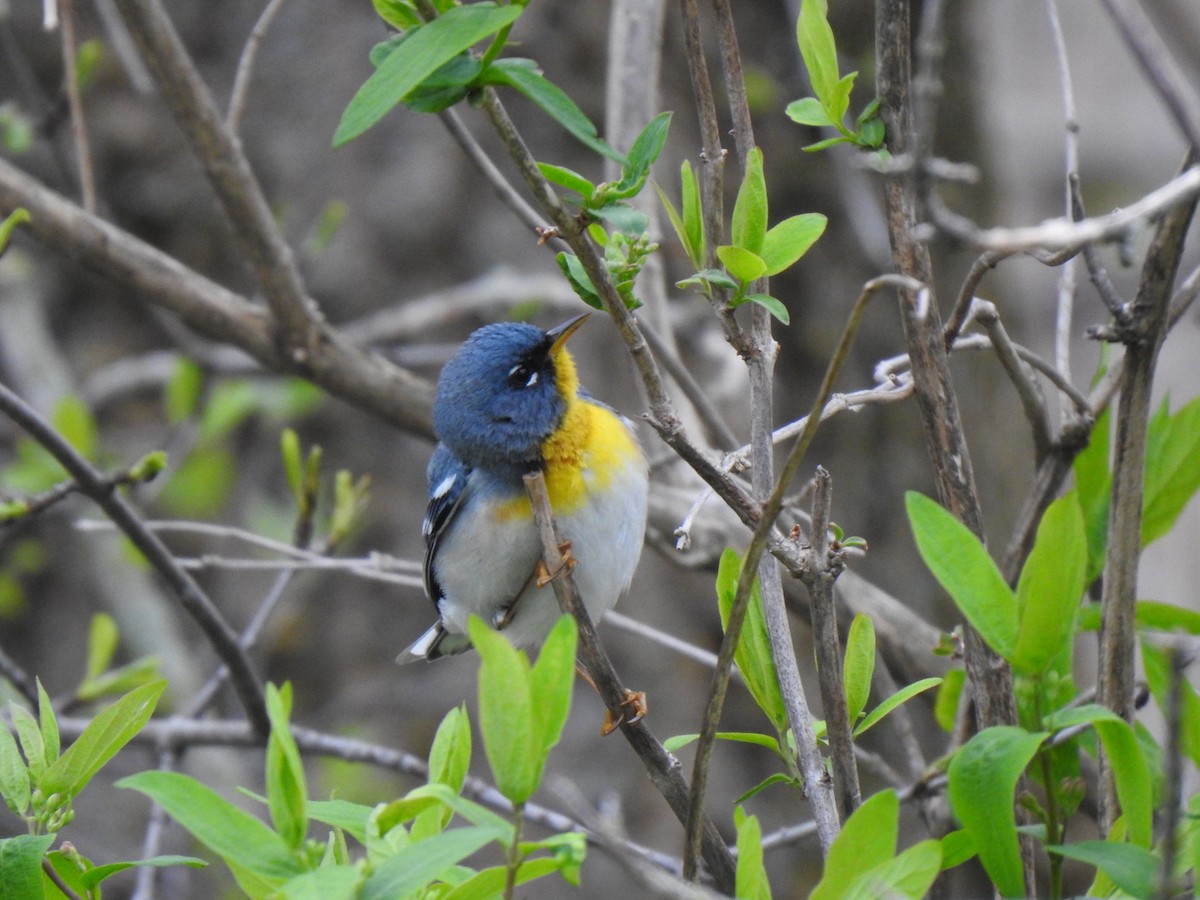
x=522, y=375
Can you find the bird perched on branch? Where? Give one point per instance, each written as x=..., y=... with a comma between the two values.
x=509, y=403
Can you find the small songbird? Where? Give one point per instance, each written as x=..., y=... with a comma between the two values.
x=509, y=403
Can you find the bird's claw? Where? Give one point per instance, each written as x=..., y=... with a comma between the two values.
x=545, y=576
x=635, y=703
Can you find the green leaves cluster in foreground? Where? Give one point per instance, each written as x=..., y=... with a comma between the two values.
x=1034, y=628
x=420, y=840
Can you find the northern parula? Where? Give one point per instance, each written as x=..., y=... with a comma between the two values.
x=508, y=403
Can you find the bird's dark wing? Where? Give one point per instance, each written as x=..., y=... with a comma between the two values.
x=447, y=486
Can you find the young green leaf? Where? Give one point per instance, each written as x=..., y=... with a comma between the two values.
x=92, y=877
x=859, y=664
x=29, y=733
x=742, y=264
x=102, y=644
x=1130, y=771
x=839, y=98
x=422, y=52
x=183, y=390
x=489, y=883
x=48, y=725
x=945, y=707
x=551, y=680
x=808, y=111
x=336, y=882
x=100, y=741
x=962, y=566
x=982, y=778
x=773, y=305
x=506, y=712
x=901, y=696
x=14, y=777
x=524, y=76
x=414, y=867
x=1050, y=587
x=581, y=283
x=749, y=225
x=693, y=215
x=868, y=839
x=21, y=865
x=450, y=755
x=287, y=791
x=567, y=178
x=75, y=422
x=753, y=654
x=645, y=150
x=1157, y=663
x=910, y=874
x=679, y=741
x=1132, y=868
x=397, y=13
x=1093, y=484
x=1172, y=470
x=785, y=243
x=817, y=47
x=751, y=878
x=18, y=216
x=230, y=832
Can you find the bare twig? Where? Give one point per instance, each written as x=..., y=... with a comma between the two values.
x=190, y=595
x=822, y=572
x=1032, y=401
x=663, y=768
x=79, y=132
x=245, y=69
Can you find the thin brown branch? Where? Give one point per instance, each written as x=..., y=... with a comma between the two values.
x=662, y=767
x=819, y=580
x=301, y=327
x=245, y=68
x=79, y=132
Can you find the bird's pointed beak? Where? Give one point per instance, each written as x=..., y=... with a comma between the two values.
x=559, y=335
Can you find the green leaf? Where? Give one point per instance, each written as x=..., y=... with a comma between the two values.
x=183, y=390
x=450, y=755
x=120, y=680
x=1093, y=483
x=338, y=882
x=423, y=51
x=48, y=724
x=1133, y=869
x=287, y=792
x=785, y=243
x=551, y=681
x=707, y=278
x=489, y=883
x=957, y=847
x=645, y=150
x=505, y=712
x=903, y=695
x=868, y=839
x=397, y=13
x=742, y=264
x=1050, y=587
x=962, y=566
x=859, y=665
x=523, y=75
x=771, y=304
x=581, y=283
x=910, y=874
x=18, y=216
x=1130, y=771
x=828, y=142
x=1172, y=470
x=622, y=217
x=945, y=708
x=753, y=654
x=202, y=484
x=693, y=215
x=839, y=97
x=102, y=644
x=751, y=877
x=982, y=779
x=567, y=178
x=93, y=877
x=777, y=778
x=680, y=741
x=21, y=865
x=414, y=867
x=14, y=777
x=233, y=834
x=817, y=47
x=74, y=421
x=749, y=225
x=100, y=741
x=29, y=733
x=808, y=111
x=350, y=817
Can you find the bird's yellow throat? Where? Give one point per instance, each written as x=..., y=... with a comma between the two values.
x=590, y=438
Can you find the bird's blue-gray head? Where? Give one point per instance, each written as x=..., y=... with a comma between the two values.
x=503, y=393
